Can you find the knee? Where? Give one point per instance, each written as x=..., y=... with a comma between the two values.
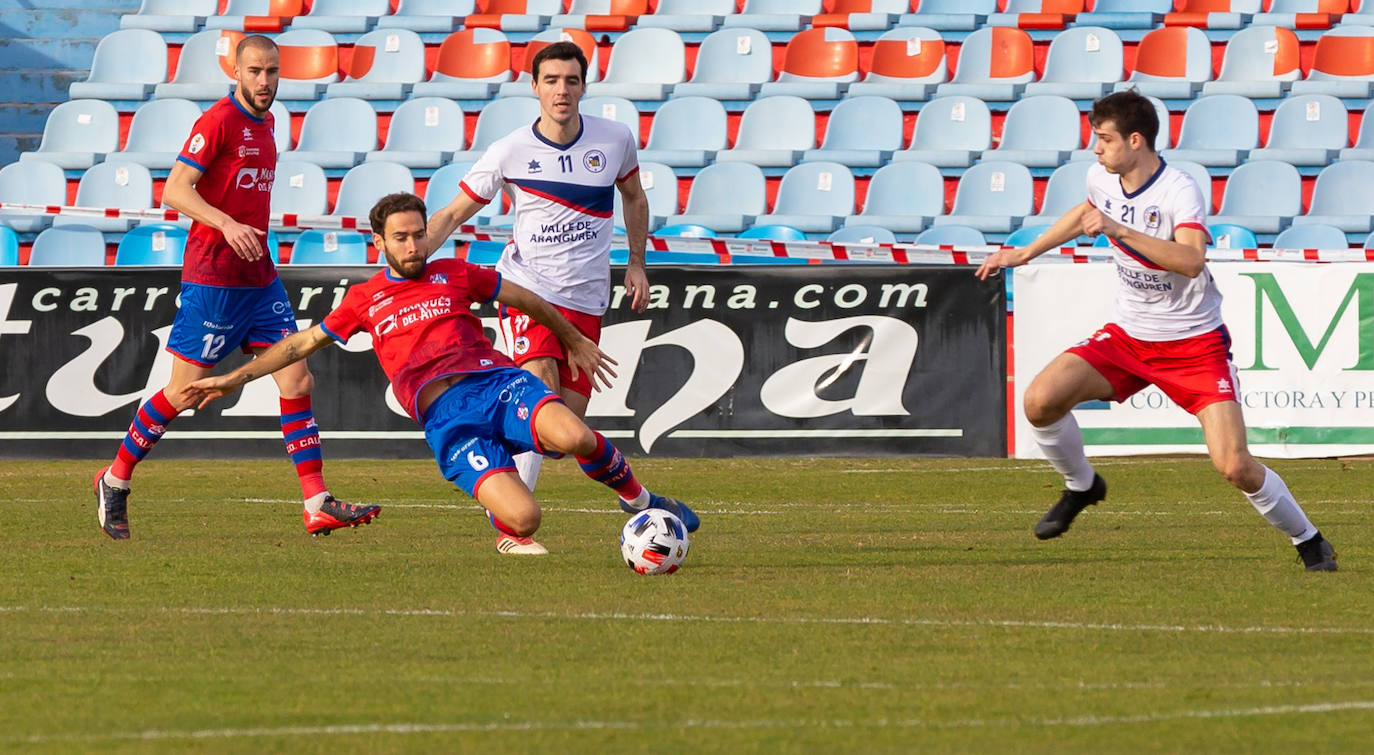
x=1241, y=470
x=1039, y=407
x=525, y=523
x=298, y=386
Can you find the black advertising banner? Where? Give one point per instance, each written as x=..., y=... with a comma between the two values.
x=734, y=360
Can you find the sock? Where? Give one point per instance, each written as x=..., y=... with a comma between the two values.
x=527, y=465
x=1281, y=509
x=1062, y=444
x=302, y=438
x=607, y=466
x=501, y=526
x=148, y=427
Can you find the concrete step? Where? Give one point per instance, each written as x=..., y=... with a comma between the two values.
x=37, y=86
x=60, y=22
x=24, y=117
x=28, y=53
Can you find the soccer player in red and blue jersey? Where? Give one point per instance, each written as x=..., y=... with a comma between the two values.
x=230, y=294
x=478, y=409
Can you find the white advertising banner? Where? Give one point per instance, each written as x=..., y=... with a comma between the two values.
x=1302, y=340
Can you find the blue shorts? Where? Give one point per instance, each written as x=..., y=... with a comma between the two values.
x=478, y=425
x=214, y=320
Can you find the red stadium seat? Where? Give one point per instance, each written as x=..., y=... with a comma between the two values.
x=464, y=56
x=1163, y=53
x=822, y=54
x=1344, y=55
x=900, y=59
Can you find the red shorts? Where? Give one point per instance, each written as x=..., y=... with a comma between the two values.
x=1194, y=372
x=526, y=339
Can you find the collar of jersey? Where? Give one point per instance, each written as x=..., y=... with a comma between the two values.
x=580, y=128
x=1133, y=194
x=244, y=110
x=387, y=272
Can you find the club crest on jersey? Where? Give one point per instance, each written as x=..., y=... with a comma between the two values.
x=1152, y=216
x=534, y=167
x=522, y=345
x=594, y=160
x=523, y=412
x=197, y=144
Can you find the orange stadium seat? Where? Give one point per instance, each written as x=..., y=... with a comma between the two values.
x=1037, y=14
x=1212, y=14
x=860, y=15
x=1342, y=64
x=816, y=63
x=993, y=63
x=256, y=15
x=472, y=64
x=1259, y=60
x=1302, y=14
x=601, y=15
x=309, y=61
x=513, y=15
x=1171, y=63
x=906, y=62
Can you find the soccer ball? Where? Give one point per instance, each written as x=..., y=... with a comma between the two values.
x=654, y=542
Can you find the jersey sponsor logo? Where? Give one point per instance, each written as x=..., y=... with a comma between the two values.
x=248, y=151
x=249, y=178
x=534, y=167
x=594, y=160
x=1152, y=217
x=279, y=307
x=197, y=144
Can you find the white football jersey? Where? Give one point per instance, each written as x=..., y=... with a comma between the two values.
x=564, y=196
x=1154, y=304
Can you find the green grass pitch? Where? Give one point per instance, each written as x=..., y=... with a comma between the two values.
x=870, y=605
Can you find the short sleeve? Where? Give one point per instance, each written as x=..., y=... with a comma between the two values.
x=344, y=321
x=1090, y=188
x=1188, y=210
x=483, y=180
x=204, y=143
x=629, y=163
x=483, y=283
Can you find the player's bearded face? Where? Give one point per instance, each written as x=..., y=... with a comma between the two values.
x=403, y=244
x=258, y=73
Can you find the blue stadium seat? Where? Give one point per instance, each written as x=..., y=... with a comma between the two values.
x=951, y=235
x=199, y=75
x=174, y=16
x=396, y=64
x=645, y=65
x=907, y=64
x=152, y=244
x=774, y=233
x=1259, y=62
x=689, y=15
x=342, y=16
x=273, y=246
x=1161, y=138
x=1307, y=129
x=949, y=15
x=428, y=16
x=950, y=132
x=1228, y=236
x=687, y=132
x=1156, y=63
x=336, y=133
x=725, y=197
x=1039, y=132
x=1082, y=63
x=813, y=197
x=363, y=185
x=1312, y=236
x=862, y=234
x=157, y=133
x=774, y=15
x=614, y=109
x=1342, y=197
x=1364, y=139
x=499, y=117
x=1218, y=131
x=127, y=186
x=861, y=132
x=660, y=187
x=485, y=252
x=774, y=132
x=68, y=246
x=9, y=247
x=731, y=65
x=686, y=231
x=1126, y=14
x=424, y=133
x=903, y=197
x=128, y=64
x=317, y=247
x=31, y=183
x=992, y=197
x=1066, y=189
x=300, y=188
x=443, y=187
x=76, y=132
x=1024, y=235
x=995, y=63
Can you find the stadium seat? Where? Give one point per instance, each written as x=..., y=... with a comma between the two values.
x=300, y=188
x=1212, y=14
x=157, y=133
x=342, y=16
x=1161, y=137
x=443, y=187
x=385, y=64
x=774, y=132
x=950, y=132
x=498, y=118
x=1039, y=132
x=907, y=64
x=645, y=64
x=68, y=246
x=1369, y=241
x=281, y=126
x=614, y=109
x=689, y=15
x=76, y=132
x=170, y=16
x=660, y=187
x=513, y=15
x=1312, y=236
x=472, y=63
x=725, y=197
x=1361, y=12
x=521, y=87
x=774, y=15
x=1066, y=189
x=902, y=197
x=9, y=246
x=363, y=185
x=1037, y=14
x=773, y=233
x=35, y=182
x=127, y=186
x=951, y=235
x=205, y=67
x=1343, y=197
x=128, y=64
x=317, y=247
x=861, y=132
x=817, y=65
x=1259, y=62
x=813, y=197
x=861, y=15
x=1364, y=139
x=995, y=63
x=1082, y=63
x=309, y=63
x=424, y=133
x=687, y=132
x=685, y=231
x=1227, y=236
x=731, y=65
x=862, y=234
x=428, y=16
x=949, y=15
x=1024, y=235
x=1126, y=14
x=1342, y=64
x=1262, y=195
x=336, y=133
x=256, y=16
x=152, y=244
x=601, y=15
x=1307, y=129
x=273, y=246
x=1171, y=63
x=1200, y=176
x=1218, y=131
x=992, y=197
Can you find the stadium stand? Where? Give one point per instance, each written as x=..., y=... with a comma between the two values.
x=1171, y=63
x=731, y=65
x=77, y=134
x=472, y=64
x=862, y=234
x=443, y=187
x=950, y=133
x=1311, y=236
x=157, y=132
x=127, y=186
x=364, y=184
x=428, y=16
x=1259, y=62
x=994, y=64
x=725, y=197
x=813, y=197
x=862, y=132
x=424, y=133
x=342, y=16
x=336, y=133
x=687, y=132
x=1342, y=197
x=1261, y=195
x=33, y=182
x=774, y=132
x=152, y=244
x=204, y=67
x=1306, y=130
x=1218, y=131
x=1081, y=64
x=992, y=197
x=817, y=64
x=127, y=65
x=645, y=65
x=386, y=64
x=68, y=246
x=1039, y=132
x=300, y=188
x=907, y=63
x=317, y=247
x=903, y=197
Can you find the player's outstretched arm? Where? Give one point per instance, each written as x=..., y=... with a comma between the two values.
x=180, y=194
x=583, y=353
x=1186, y=254
x=443, y=223
x=293, y=348
x=1064, y=230
x=636, y=207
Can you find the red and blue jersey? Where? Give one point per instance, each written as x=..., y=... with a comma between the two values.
x=236, y=154
x=422, y=329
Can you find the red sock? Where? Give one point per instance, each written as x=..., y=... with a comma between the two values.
x=150, y=422
x=302, y=438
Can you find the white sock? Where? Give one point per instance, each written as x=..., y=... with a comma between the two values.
x=1281, y=509
x=1062, y=444
x=314, y=502
x=527, y=466
x=640, y=502
x=115, y=482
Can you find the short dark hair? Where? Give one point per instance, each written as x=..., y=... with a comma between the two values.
x=401, y=201
x=559, y=51
x=255, y=41
x=1131, y=111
